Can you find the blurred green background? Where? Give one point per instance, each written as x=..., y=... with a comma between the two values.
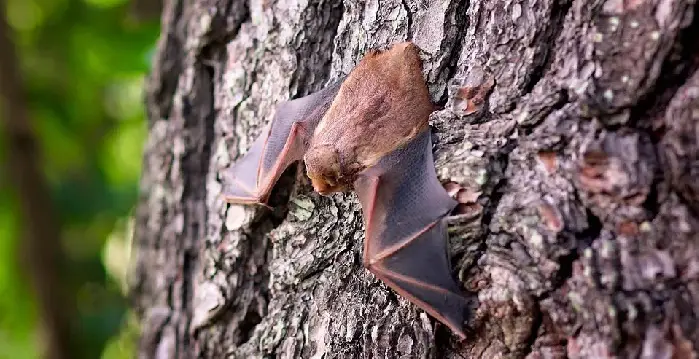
x=83, y=64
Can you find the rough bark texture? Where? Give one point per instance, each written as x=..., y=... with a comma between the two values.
x=575, y=122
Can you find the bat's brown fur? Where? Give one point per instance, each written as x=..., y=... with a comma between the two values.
x=383, y=104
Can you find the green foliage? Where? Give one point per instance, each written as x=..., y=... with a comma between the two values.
x=83, y=64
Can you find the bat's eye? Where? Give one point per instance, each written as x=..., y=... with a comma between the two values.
x=330, y=180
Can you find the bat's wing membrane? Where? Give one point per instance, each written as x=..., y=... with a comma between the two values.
x=282, y=142
x=405, y=246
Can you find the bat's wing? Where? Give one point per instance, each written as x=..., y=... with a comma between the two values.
x=283, y=141
x=406, y=242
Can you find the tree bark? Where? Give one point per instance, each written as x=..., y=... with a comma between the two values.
x=575, y=124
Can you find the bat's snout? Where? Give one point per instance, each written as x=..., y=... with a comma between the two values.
x=324, y=193
x=323, y=187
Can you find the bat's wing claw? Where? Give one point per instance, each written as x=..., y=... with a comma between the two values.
x=241, y=181
x=406, y=242
x=237, y=192
x=242, y=199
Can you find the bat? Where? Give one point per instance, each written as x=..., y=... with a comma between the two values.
x=369, y=133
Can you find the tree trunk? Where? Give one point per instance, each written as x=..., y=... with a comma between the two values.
x=575, y=123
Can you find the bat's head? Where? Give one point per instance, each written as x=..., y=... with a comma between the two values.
x=324, y=169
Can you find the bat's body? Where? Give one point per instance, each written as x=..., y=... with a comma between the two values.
x=370, y=133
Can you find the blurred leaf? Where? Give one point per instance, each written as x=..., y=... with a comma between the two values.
x=105, y=3
x=116, y=254
x=124, y=345
x=24, y=15
x=122, y=147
